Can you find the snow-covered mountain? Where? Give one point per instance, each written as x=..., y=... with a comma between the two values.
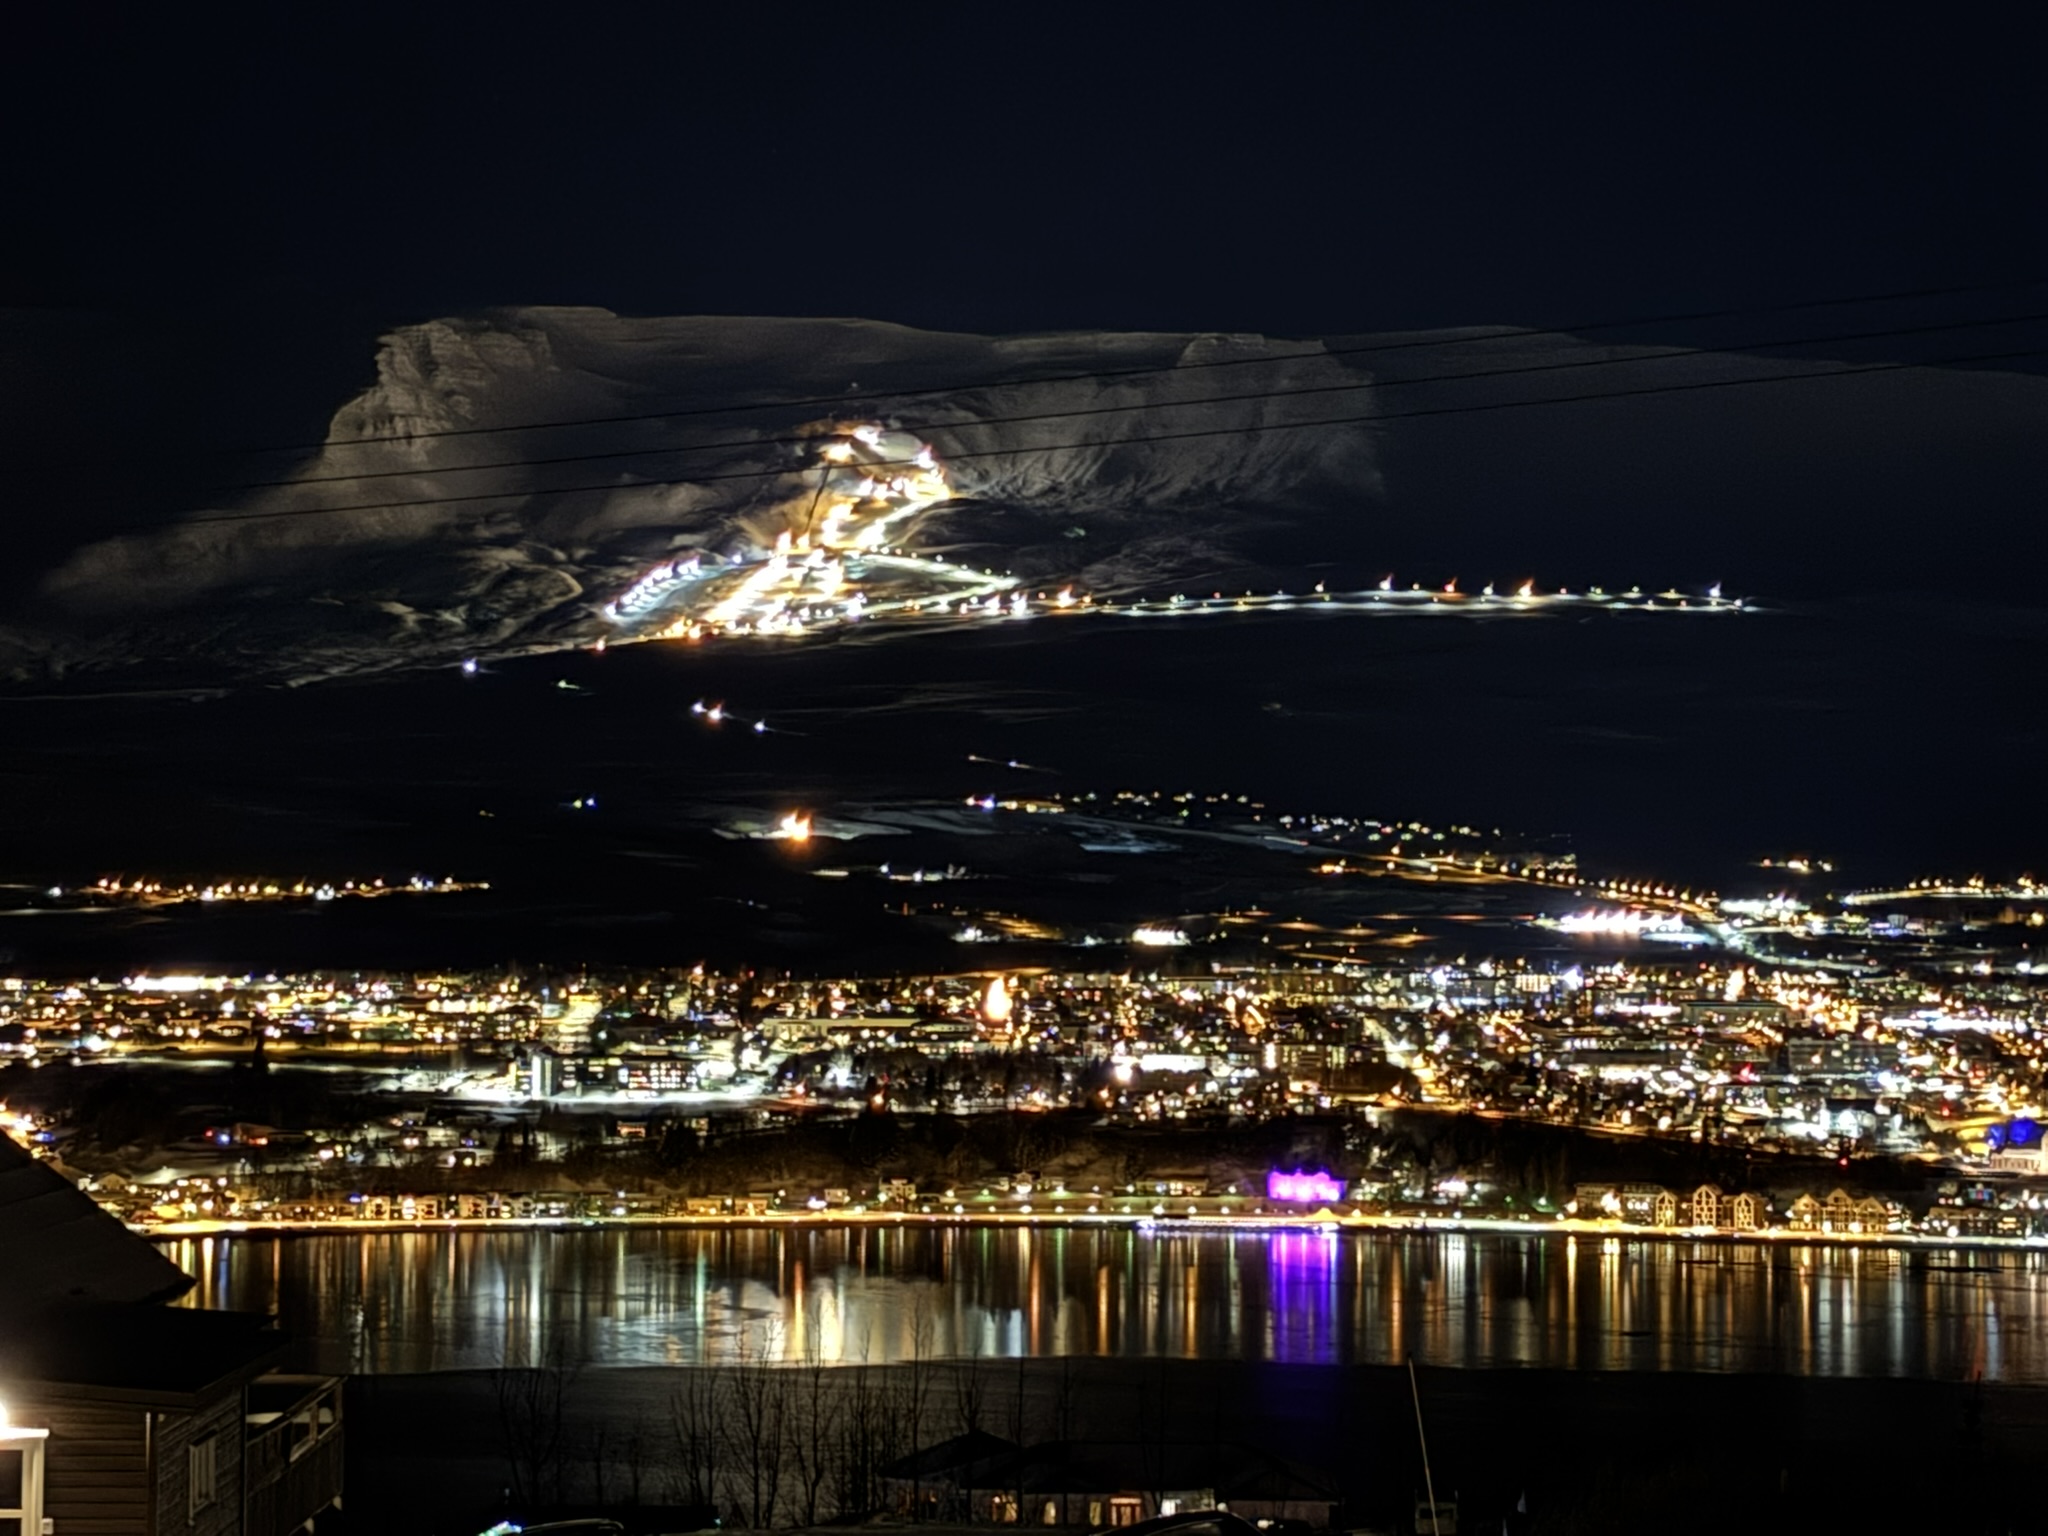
x=509, y=474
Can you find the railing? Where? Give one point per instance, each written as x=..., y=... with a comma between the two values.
x=292, y=1457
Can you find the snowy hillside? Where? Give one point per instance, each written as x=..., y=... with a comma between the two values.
x=423, y=532
x=542, y=478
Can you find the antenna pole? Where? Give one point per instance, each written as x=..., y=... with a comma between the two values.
x=1428, y=1482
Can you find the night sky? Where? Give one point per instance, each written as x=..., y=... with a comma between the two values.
x=212, y=215
x=1307, y=168
x=185, y=188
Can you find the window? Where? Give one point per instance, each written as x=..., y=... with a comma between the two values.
x=202, y=1475
x=1126, y=1511
x=13, y=1490
x=21, y=1480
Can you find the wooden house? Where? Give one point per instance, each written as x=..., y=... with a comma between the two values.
x=126, y=1415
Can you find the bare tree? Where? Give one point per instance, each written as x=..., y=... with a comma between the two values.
x=756, y=1430
x=1020, y=1433
x=864, y=1441
x=970, y=1390
x=812, y=1437
x=970, y=1400
x=600, y=1463
x=696, y=1438
x=1064, y=1415
x=634, y=1450
x=1019, y=1430
x=914, y=1385
x=1152, y=1417
x=532, y=1401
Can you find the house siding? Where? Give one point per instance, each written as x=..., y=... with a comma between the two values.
x=175, y=1433
x=95, y=1466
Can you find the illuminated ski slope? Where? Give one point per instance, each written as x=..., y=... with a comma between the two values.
x=841, y=562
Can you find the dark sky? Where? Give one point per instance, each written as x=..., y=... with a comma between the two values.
x=1296, y=168
x=212, y=212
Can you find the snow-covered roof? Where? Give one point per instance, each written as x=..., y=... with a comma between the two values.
x=58, y=1247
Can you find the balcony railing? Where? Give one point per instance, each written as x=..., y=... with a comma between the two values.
x=291, y=1458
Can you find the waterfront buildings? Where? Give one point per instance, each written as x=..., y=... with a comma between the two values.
x=633, y=1089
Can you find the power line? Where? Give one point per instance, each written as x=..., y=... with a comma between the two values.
x=1507, y=333
x=1858, y=370
x=1349, y=386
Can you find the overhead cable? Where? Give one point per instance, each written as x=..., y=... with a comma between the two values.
x=1851, y=371
x=859, y=397
x=1347, y=386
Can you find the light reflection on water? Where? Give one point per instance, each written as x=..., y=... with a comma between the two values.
x=438, y=1300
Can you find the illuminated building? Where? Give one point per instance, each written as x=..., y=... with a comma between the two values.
x=995, y=1004
x=1308, y=1188
x=566, y=1025
x=2018, y=1146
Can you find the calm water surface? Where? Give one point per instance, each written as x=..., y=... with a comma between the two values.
x=422, y=1301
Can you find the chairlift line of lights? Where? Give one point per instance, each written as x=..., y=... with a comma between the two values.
x=850, y=567
x=159, y=893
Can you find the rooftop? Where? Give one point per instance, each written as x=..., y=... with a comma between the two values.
x=62, y=1248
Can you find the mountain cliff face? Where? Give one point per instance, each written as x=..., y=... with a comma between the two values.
x=507, y=475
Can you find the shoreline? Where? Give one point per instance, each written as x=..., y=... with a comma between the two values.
x=1322, y=1222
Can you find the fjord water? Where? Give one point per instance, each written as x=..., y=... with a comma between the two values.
x=402, y=1302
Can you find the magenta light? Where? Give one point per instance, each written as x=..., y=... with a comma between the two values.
x=1306, y=1188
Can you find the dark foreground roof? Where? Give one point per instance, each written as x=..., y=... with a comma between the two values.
x=948, y=1456
x=1199, y=1522
x=56, y=1245
x=171, y=1356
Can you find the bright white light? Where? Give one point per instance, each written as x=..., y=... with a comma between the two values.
x=1630, y=923
x=995, y=1003
x=1158, y=938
